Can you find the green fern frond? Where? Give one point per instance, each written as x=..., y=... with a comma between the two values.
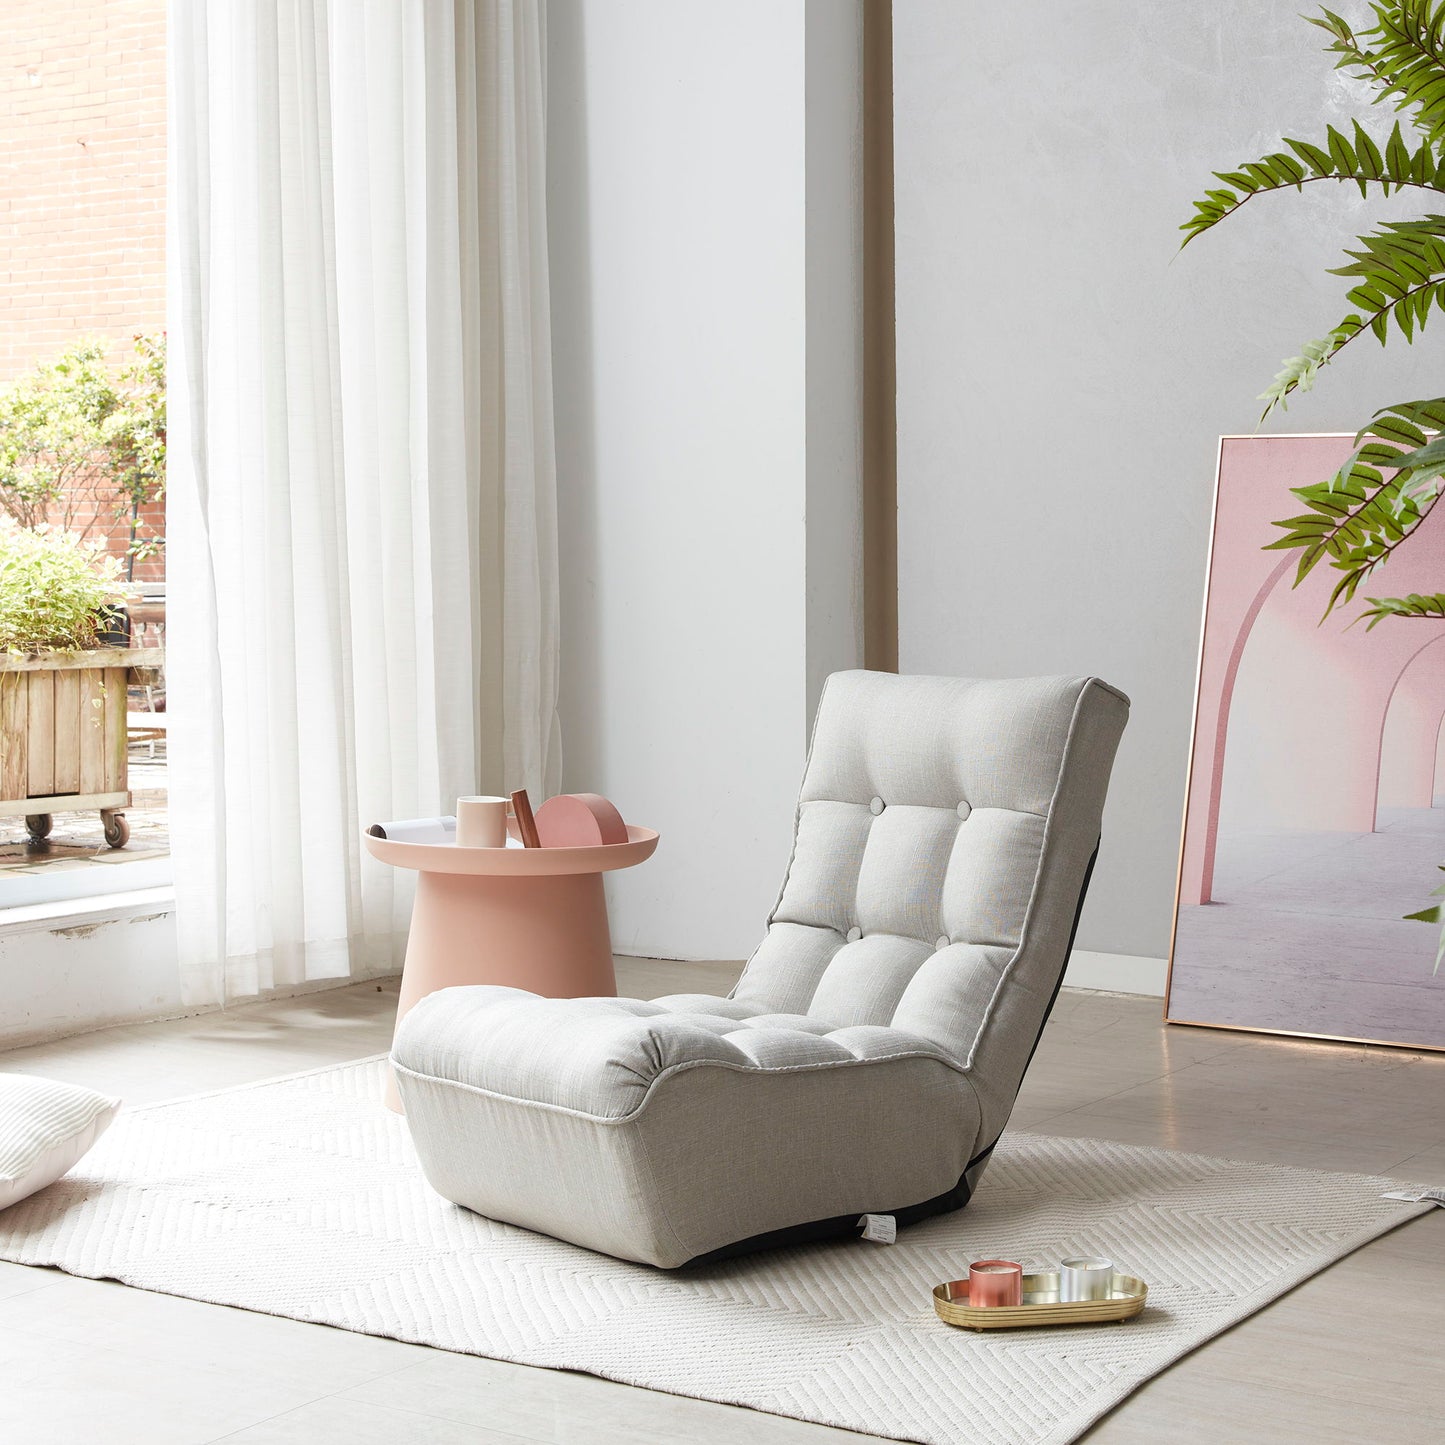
x=1385, y=489
x=1400, y=271
x=1415, y=605
x=1339, y=159
x=1403, y=57
x=1298, y=372
x=1399, y=275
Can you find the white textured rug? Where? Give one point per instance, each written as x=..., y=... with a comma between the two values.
x=301, y=1197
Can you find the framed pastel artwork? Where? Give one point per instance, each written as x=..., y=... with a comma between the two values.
x=1315, y=810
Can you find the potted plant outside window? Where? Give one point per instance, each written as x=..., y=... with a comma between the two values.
x=62, y=693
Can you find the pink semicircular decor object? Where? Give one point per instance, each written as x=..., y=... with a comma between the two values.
x=579, y=820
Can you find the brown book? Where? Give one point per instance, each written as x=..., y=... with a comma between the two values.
x=526, y=823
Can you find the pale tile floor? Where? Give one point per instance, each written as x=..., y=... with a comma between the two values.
x=1353, y=1355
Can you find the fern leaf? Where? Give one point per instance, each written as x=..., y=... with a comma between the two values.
x=1415, y=605
x=1339, y=159
x=1343, y=155
x=1299, y=372
x=1429, y=454
x=1399, y=272
x=1321, y=162
x=1402, y=57
x=1367, y=153
x=1398, y=159
x=1385, y=489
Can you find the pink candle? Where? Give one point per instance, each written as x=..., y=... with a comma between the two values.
x=995, y=1282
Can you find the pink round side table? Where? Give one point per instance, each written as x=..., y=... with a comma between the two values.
x=533, y=918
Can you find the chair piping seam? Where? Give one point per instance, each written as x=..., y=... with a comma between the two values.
x=680, y=1068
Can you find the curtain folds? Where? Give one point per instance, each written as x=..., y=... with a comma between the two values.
x=362, y=574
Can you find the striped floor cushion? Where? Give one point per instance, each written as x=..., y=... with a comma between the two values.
x=45, y=1129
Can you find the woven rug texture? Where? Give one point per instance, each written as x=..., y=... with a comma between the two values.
x=302, y=1197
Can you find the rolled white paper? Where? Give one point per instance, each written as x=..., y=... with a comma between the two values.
x=417, y=830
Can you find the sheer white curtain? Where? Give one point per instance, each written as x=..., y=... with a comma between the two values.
x=362, y=611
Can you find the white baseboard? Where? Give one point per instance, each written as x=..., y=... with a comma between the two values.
x=1116, y=973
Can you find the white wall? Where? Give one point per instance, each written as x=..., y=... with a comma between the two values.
x=1063, y=378
x=690, y=448
x=74, y=967
x=86, y=975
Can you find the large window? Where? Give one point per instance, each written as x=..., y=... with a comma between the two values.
x=82, y=444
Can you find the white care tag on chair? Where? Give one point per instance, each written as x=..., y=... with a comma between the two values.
x=1409, y=1196
x=880, y=1228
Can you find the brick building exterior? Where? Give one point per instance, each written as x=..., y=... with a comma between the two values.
x=82, y=178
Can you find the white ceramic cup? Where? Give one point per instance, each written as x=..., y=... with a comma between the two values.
x=1085, y=1278
x=481, y=822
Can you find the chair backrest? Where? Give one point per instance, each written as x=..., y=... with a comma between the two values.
x=945, y=832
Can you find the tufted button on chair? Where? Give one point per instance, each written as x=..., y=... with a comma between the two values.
x=868, y=1059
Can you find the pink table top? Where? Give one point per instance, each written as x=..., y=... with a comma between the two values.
x=514, y=862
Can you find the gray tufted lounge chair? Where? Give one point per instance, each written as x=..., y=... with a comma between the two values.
x=868, y=1059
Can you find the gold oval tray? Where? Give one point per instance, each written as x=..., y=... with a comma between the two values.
x=1041, y=1306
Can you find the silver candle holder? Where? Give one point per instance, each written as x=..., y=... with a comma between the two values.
x=1085, y=1278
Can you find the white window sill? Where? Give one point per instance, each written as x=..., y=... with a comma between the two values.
x=93, y=878
x=87, y=912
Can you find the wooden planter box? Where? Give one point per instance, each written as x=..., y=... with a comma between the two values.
x=63, y=735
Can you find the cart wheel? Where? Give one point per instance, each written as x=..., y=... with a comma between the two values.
x=117, y=830
x=37, y=825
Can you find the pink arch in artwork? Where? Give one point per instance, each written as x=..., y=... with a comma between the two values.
x=1410, y=731
x=1221, y=736
x=1309, y=710
x=1439, y=759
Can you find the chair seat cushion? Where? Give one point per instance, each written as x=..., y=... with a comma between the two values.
x=605, y=1056
x=673, y=1129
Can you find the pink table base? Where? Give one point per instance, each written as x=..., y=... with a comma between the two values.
x=533, y=918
